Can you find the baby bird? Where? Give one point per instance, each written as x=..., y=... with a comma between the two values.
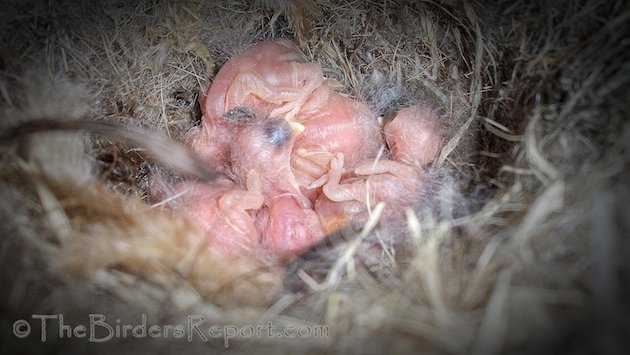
x=267, y=79
x=271, y=78
x=414, y=140
x=222, y=212
x=287, y=222
x=333, y=124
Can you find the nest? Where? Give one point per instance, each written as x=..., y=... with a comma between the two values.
x=519, y=247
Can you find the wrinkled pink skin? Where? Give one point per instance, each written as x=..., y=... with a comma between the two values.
x=263, y=213
x=332, y=124
x=265, y=146
x=413, y=136
x=414, y=141
x=289, y=228
x=270, y=79
x=222, y=211
x=287, y=221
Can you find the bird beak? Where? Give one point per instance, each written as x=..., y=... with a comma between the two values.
x=297, y=127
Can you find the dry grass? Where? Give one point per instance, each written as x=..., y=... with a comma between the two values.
x=519, y=244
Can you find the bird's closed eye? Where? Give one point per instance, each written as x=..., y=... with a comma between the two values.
x=239, y=114
x=277, y=132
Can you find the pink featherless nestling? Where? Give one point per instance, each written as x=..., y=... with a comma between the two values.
x=267, y=79
x=414, y=140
